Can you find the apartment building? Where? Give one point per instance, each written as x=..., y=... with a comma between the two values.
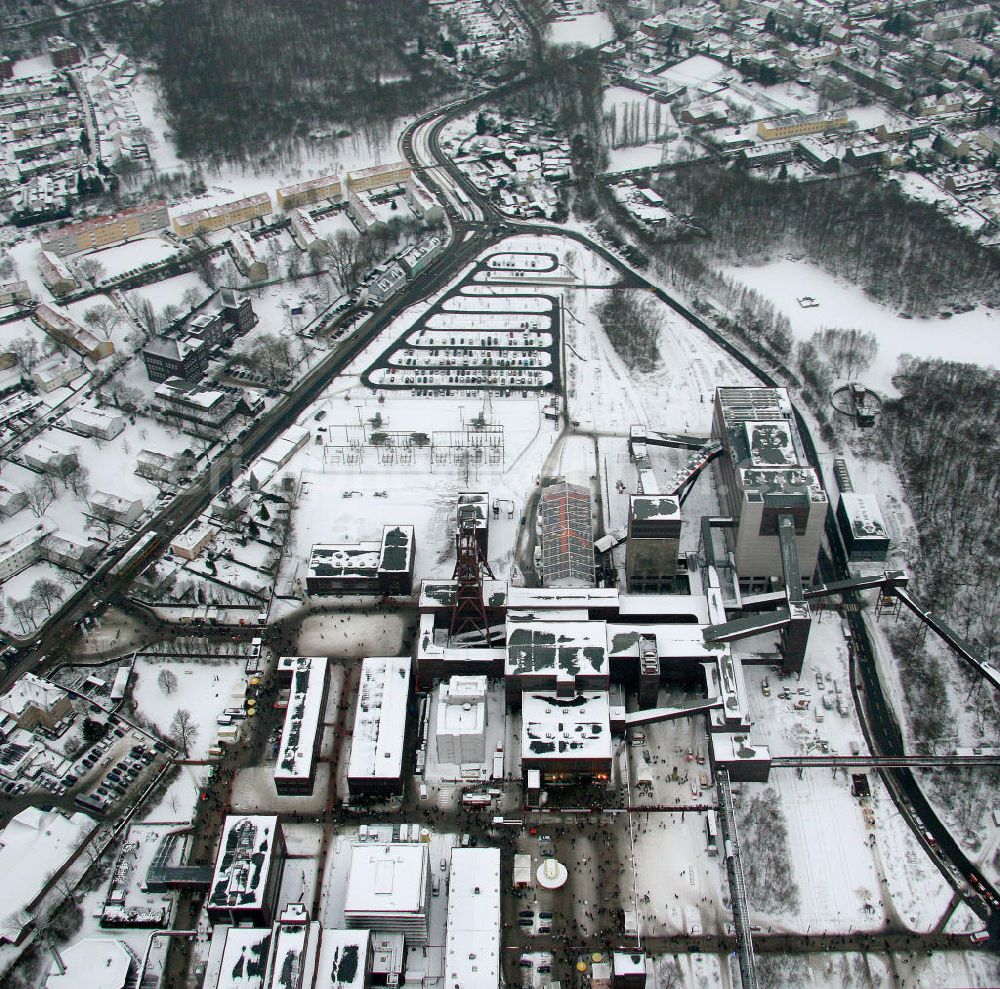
x=223, y=215
x=378, y=176
x=56, y=274
x=103, y=231
x=59, y=325
x=799, y=126
x=329, y=187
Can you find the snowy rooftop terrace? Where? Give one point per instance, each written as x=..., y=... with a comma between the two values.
x=577, y=727
x=380, y=720
x=302, y=717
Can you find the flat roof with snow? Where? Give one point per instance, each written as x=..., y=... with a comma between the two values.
x=246, y=852
x=569, y=649
x=296, y=754
x=577, y=727
x=387, y=879
x=342, y=957
x=245, y=958
x=380, y=720
x=472, y=942
x=863, y=515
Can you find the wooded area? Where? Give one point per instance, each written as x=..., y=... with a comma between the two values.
x=902, y=252
x=239, y=76
x=942, y=433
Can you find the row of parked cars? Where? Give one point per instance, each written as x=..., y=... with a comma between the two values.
x=118, y=778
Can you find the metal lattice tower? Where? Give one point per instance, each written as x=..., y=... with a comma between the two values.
x=469, y=612
x=737, y=884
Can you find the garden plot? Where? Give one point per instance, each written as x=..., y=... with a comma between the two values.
x=203, y=688
x=498, y=304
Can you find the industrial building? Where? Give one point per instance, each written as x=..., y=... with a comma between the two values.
x=764, y=475
x=248, y=869
x=389, y=888
x=378, y=742
x=566, y=736
x=305, y=678
x=472, y=941
x=862, y=528
x=370, y=567
x=566, y=533
x=653, y=547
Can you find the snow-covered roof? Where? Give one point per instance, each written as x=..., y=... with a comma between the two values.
x=246, y=852
x=472, y=942
x=30, y=690
x=302, y=716
x=342, y=956
x=557, y=649
x=245, y=958
x=387, y=879
x=863, y=515
x=93, y=963
x=577, y=727
x=32, y=837
x=380, y=719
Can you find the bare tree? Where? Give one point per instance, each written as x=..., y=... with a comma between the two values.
x=91, y=269
x=40, y=496
x=167, y=681
x=25, y=611
x=77, y=479
x=346, y=252
x=273, y=356
x=183, y=730
x=26, y=353
x=145, y=315
x=103, y=318
x=48, y=593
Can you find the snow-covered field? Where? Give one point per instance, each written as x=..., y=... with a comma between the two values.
x=973, y=337
x=134, y=254
x=203, y=687
x=588, y=30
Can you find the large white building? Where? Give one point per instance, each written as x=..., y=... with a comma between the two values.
x=461, y=720
x=388, y=888
x=377, y=745
x=472, y=942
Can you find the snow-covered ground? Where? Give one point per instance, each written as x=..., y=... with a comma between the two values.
x=204, y=688
x=136, y=253
x=588, y=30
x=973, y=337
